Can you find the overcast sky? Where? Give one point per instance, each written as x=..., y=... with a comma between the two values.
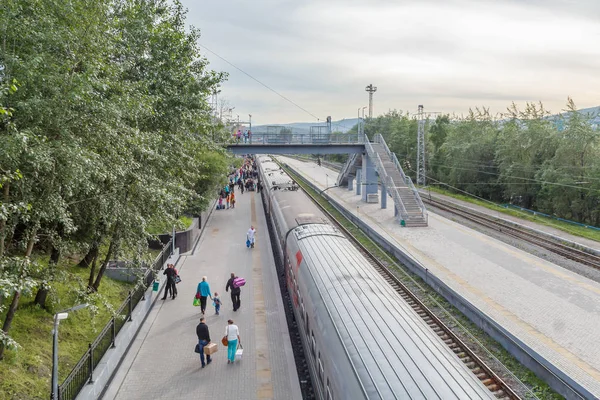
x=448, y=55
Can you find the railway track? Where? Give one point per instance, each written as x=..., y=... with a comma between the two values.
x=554, y=246
x=485, y=374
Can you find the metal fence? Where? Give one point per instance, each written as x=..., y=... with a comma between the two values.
x=300, y=138
x=83, y=371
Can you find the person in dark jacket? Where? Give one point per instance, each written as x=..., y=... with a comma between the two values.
x=235, y=292
x=171, y=274
x=203, y=339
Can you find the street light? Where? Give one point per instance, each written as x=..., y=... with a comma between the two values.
x=59, y=316
x=250, y=128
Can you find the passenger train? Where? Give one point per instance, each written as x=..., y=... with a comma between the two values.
x=360, y=338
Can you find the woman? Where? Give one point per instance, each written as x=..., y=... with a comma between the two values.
x=204, y=292
x=233, y=338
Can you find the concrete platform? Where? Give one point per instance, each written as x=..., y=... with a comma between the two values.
x=553, y=311
x=161, y=363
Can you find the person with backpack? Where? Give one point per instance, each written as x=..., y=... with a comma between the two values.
x=235, y=283
x=204, y=292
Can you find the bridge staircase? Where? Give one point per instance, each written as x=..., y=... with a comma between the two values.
x=411, y=210
x=349, y=169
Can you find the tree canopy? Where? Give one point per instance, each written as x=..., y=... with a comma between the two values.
x=105, y=128
x=526, y=157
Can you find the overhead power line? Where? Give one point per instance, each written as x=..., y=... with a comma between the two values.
x=263, y=84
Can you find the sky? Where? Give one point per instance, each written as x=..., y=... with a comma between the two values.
x=448, y=55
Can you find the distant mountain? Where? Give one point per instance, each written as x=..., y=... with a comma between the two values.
x=592, y=112
x=343, y=125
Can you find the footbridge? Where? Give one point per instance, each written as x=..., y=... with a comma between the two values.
x=370, y=167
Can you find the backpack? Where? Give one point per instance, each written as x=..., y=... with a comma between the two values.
x=238, y=282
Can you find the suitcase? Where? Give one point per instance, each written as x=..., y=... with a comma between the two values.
x=210, y=348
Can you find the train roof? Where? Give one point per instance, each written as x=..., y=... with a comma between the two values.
x=393, y=351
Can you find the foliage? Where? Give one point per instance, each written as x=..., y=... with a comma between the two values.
x=104, y=129
x=525, y=157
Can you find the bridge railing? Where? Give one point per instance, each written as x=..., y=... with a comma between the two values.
x=299, y=139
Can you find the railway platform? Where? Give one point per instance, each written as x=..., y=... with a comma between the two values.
x=161, y=363
x=552, y=311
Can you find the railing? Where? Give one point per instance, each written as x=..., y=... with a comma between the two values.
x=388, y=181
x=346, y=167
x=299, y=138
x=83, y=371
x=407, y=180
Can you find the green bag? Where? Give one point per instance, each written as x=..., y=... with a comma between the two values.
x=196, y=302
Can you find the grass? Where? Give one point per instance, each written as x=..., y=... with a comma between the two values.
x=183, y=223
x=563, y=226
x=25, y=373
x=433, y=300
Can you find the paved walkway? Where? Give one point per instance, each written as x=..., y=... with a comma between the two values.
x=161, y=363
x=554, y=311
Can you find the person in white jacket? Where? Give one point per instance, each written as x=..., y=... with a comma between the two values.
x=250, y=235
x=233, y=338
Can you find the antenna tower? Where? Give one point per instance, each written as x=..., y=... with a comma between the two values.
x=371, y=89
x=421, y=171
x=421, y=147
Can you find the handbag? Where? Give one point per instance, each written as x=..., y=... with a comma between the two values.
x=247, y=242
x=197, y=348
x=224, y=340
x=177, y=279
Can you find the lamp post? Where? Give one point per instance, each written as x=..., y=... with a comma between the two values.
x=57, y=318
x=250, y=128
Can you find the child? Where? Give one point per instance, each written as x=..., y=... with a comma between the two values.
x=217, y=302
x=227, y=201
x=220, y=203
x=232, y=200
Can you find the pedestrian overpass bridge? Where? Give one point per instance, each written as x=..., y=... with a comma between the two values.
x=370, y=164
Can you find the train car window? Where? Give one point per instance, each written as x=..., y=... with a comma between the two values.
x=314, y=344
x=329, y=395
x=302, y=308
x=307, y=325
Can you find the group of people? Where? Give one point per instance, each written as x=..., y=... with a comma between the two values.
x=232, y=331
x=232, y=335
x=172, y=281
x=246, y=134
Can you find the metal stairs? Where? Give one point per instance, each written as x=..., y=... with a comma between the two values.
x=411, y=210
x=348, y=169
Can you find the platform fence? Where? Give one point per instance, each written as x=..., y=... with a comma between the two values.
x=83, y=372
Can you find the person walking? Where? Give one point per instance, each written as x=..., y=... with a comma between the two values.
x=203, y=339
x=233, y=338
x=250, y=235
x=232, y=199
x=258, y=187
x=171, y=287
x=204, y=292
x=235, y=292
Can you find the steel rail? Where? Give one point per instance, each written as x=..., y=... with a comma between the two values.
x=486, y=375
x=528, y=236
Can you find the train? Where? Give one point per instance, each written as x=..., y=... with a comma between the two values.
x=361, y=340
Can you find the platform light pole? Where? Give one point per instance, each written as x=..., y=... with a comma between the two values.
x=250, y=122
x=59, y=316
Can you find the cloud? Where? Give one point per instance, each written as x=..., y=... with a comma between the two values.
x=448, y=55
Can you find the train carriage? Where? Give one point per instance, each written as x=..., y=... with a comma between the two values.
x=360, y=338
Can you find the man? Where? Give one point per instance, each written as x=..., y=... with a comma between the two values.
x=235, y=292
x=171, y=274
x=250, y=235
x=203, y=340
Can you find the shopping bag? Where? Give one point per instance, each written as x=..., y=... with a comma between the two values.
x=239, y=352
x=196, y=302
x=248, y=243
